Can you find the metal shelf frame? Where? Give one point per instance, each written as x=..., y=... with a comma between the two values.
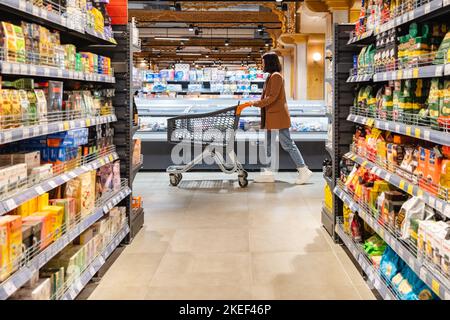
x=22, y=275
x=440, y=286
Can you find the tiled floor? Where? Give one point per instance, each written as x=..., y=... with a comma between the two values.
x=210, y=239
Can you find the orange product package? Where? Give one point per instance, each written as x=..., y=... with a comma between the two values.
x=10, y=244
x=434, y=171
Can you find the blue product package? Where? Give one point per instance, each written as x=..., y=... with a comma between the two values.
x=45, y=154
x=179, y=75
x=390, y=264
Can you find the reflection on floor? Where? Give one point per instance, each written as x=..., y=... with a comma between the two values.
x=210, y=239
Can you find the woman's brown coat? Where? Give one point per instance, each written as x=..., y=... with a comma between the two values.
x=273, y=104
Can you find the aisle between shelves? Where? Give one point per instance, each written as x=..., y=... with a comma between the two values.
x=25, y=272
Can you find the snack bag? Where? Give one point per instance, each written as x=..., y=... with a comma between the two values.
x=391, y=264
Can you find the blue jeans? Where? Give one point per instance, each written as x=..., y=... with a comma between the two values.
x=287, y=144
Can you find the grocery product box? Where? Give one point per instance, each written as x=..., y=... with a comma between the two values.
x=70, y=212
x=42, y=291
x=31, y=234
x=10, y=244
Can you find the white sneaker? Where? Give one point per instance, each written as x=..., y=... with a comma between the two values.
x=266, y=176
x=303, y=175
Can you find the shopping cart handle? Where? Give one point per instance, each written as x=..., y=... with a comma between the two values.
x=241, y=107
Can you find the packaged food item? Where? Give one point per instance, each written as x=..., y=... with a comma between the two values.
x=70, y=212
x=31, y=235
x=391, y=264
x=10, y=244
x=73, y=190
x=87, y=192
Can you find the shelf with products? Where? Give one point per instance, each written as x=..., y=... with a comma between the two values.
x=407, y=249
x=409, y=187
x=33, y=50
x=62, y=121
x=73, y=289
x=13, y=195
x=73, y=20
x=374, y=277
x=27, y=264
x=381, y=18
x=417, y=131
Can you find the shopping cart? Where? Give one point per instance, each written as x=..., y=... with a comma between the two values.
x=215, y=132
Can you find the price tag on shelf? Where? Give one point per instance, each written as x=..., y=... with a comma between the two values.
x=44, y=14
x=439, y=71
x=9, y=288
x=7, y=136
x=447, y=68
x=419, y=193
x=408, y=130
x=410, y=189
x=46, y=71
x=399, y=74
x=35, y=11
x=22, y=5
x=66, y=125
x=411, y=15
x=427, y=8
x=60, y=73
x=435, y=286
x=15, y=68
x=402, y=184
x=415, y=73
x=33, y=70
x=417, y=132
x=88, y=122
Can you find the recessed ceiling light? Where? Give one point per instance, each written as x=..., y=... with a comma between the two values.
x=171, y=38
x=191, y=27
x=227, y=43
x=260, y=28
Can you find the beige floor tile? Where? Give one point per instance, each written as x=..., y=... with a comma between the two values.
x=279, y=216
x=151, y=241
x=220, y=218
x=119, y=292
x=312, y=269
x=210, y=240
x=227, y=292
x=287, y=238
x=365, y=292
x=163, y=219
x=351, y=270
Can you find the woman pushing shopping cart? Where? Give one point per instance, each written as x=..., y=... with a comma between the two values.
x=219, y=128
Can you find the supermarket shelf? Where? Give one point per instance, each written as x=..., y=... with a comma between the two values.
x=441, y=287
x=134, y=129
x=365, y=37
x=26, y=10
x=329, y=150
x=22, y=196
x=22, y=275
x=373, y=275
x=207, y=81
x=100, y=36
x=329, y=80
x=440, y=205
x=21, y=133
x=360, y=78
x=136, y=168
x=428, y=8
x=75, y=288
x=419, y=132
x=411, y=73
x=329, y=181
x=447, y=69
x=23, y=69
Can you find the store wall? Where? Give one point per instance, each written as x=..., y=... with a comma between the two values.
x=316, y=72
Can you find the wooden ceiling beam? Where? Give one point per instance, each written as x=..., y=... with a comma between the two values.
x=202, y=16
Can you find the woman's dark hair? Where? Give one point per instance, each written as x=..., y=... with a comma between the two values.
x=271, y=63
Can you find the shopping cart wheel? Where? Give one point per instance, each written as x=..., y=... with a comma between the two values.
x=175, y=178
x=242, y=180
x=244, y=174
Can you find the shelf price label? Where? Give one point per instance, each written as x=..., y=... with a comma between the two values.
x=435, y=286
x=22, y=5
x=415, y=73
x=439, y=71
x=370, y=122
x=427, y=8
x=417, y=132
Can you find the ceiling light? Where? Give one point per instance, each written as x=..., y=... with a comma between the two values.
x=171, y=38
x=182, y=43
x=261, y=50
x=279, y=0
x=260, y=28
x=316, y=56
x=266, y=44
x=191, y=27
x=207, y=56
x=227, y=43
